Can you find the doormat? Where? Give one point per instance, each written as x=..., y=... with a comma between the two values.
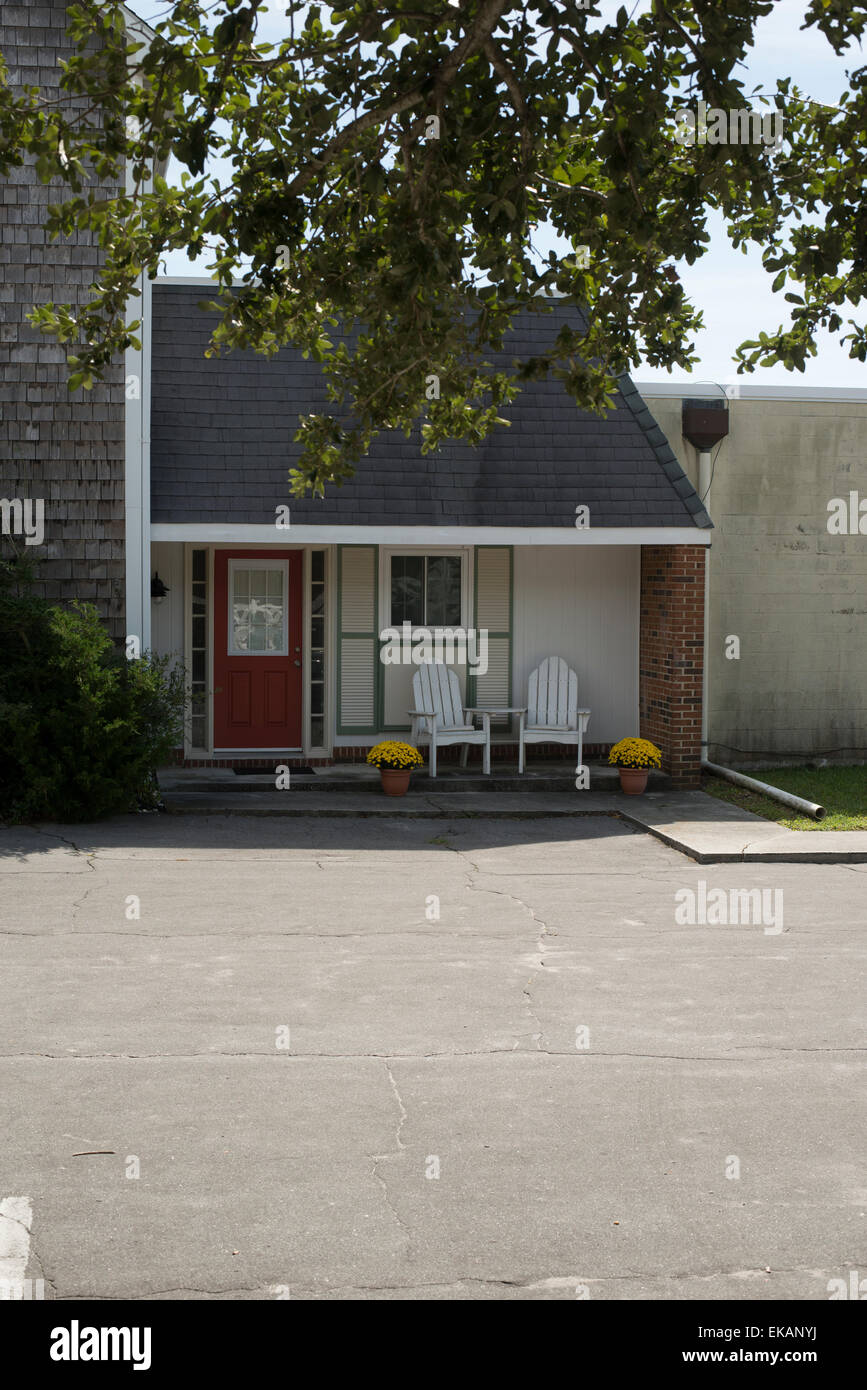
x=269, y=769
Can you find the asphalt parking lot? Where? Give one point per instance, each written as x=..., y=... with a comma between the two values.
x=355, y=1058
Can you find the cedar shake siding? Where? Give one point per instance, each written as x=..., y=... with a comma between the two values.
x=66, y=449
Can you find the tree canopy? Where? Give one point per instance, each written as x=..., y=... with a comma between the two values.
x=383, y=170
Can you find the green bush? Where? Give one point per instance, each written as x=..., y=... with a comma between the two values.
x=82, y=730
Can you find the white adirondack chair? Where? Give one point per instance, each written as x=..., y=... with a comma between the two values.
x=552, y=713
x=439, y=718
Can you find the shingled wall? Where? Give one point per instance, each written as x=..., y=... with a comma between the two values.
x=66, y=449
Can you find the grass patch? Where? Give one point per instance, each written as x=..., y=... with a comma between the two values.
x=841, y=790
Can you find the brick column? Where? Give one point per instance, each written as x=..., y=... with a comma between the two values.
x=671, y=657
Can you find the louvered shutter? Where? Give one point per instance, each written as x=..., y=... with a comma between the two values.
x=358, y=639
x=493, y=613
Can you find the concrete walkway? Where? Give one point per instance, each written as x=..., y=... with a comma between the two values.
x=706, y=829
x=715, y=832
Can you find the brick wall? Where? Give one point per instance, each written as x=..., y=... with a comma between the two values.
x=503, y=752
x=671, y=658
x=66, y=449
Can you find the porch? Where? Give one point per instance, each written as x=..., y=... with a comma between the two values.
x=314, y=688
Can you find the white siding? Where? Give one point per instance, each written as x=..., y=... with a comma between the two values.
x=398, y=698
x=167, y=618
x=581, y=604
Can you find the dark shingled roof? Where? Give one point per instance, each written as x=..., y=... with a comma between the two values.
x=222, y=431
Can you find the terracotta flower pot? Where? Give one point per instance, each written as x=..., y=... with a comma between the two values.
x=633, y=780
x=395, y=780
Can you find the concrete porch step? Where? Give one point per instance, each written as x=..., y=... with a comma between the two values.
x=363, y=779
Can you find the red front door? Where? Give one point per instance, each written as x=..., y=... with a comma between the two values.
x=257, y=649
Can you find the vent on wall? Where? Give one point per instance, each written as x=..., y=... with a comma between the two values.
x=704, y=423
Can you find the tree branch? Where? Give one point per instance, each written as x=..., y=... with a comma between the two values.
x=485, y=21
x=502, y=69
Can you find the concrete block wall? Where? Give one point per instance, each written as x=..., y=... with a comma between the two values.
x=794, y=595
x=66, y=449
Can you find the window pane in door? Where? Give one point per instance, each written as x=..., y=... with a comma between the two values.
x=443, y=591
x=258, y=610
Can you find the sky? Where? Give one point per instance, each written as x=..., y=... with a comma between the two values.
x=732, y=289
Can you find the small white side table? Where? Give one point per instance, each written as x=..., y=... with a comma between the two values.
x=496, y=710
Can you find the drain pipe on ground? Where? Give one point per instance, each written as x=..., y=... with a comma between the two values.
x=796, y=803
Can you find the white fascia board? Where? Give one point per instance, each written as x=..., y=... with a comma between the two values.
x=207, y=533
x=733, y=391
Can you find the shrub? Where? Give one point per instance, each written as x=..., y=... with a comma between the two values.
x=82, y=730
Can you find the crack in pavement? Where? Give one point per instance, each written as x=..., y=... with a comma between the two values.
x=285, y=1057
x=544, y=930
x=46, y=1278
x=52, y=834
x=78, y=903
x=400, y=1105
x=530, y=1284
x=377, y=1159
x=29, y=1252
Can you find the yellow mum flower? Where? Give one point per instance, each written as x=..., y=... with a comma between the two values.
x=635, y=752
x=394, y=755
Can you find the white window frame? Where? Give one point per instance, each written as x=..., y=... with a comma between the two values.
x=386, y=554
x=270, y=563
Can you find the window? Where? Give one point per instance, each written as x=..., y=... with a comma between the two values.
x=426, y=590
x=257, y=613
x=199, y=651
x=317, y=648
